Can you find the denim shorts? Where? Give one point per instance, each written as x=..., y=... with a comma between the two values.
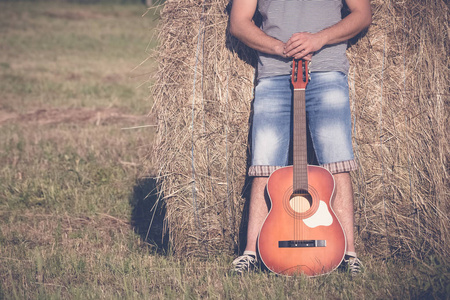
x=328, y=117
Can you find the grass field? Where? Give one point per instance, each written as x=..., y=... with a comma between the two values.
x=73, y=185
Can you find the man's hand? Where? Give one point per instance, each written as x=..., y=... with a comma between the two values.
x=303, y=45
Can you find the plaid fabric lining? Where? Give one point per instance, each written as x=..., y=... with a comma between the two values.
x=341, y=166
x=334, y=168
x=262, y=171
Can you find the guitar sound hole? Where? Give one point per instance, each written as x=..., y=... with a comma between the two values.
x=300, y=203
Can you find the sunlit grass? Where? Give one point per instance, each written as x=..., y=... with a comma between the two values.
x=55, y=54
x=67, y=168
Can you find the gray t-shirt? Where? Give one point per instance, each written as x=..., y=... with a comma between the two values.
x=282, y=18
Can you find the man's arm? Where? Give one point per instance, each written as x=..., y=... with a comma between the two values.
x=243, y=28
x=304, y=43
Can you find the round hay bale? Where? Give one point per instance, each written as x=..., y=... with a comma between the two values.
x=399, y=93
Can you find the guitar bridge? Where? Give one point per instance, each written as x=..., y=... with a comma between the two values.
x=302, y=243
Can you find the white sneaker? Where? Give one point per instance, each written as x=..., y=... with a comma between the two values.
x=352, y=265
x=244, y=264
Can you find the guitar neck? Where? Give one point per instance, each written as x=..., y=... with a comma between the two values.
x=300, y=148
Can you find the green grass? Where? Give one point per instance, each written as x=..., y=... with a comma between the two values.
x=73, y=186
x=76, y=54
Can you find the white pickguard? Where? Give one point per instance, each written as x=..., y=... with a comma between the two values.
x=322, y=217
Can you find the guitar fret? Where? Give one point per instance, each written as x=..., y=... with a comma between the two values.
x=299, y=138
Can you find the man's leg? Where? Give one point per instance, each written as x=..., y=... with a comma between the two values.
x=343, y=206
x=270, y=139
x=257, y=212
x=329, y=121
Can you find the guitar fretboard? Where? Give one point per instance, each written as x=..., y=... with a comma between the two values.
x=300, y=183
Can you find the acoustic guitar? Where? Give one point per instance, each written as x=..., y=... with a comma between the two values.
x=301, y=233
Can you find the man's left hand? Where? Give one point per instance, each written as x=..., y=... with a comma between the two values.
x=303, y=45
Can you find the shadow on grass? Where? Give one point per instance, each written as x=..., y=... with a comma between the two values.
x=243, y=224
x=148, y=215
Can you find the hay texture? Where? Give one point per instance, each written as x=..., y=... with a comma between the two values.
x=399, y=94
x=203, y=96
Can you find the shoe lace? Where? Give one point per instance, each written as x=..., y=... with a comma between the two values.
x=354, y=265
x=244, y=262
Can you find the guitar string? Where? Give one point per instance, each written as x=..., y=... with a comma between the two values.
x=300, y=192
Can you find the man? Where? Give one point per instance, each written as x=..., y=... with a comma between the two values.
x=315, y=31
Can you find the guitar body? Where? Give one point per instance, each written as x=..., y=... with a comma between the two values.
x=309, y=239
